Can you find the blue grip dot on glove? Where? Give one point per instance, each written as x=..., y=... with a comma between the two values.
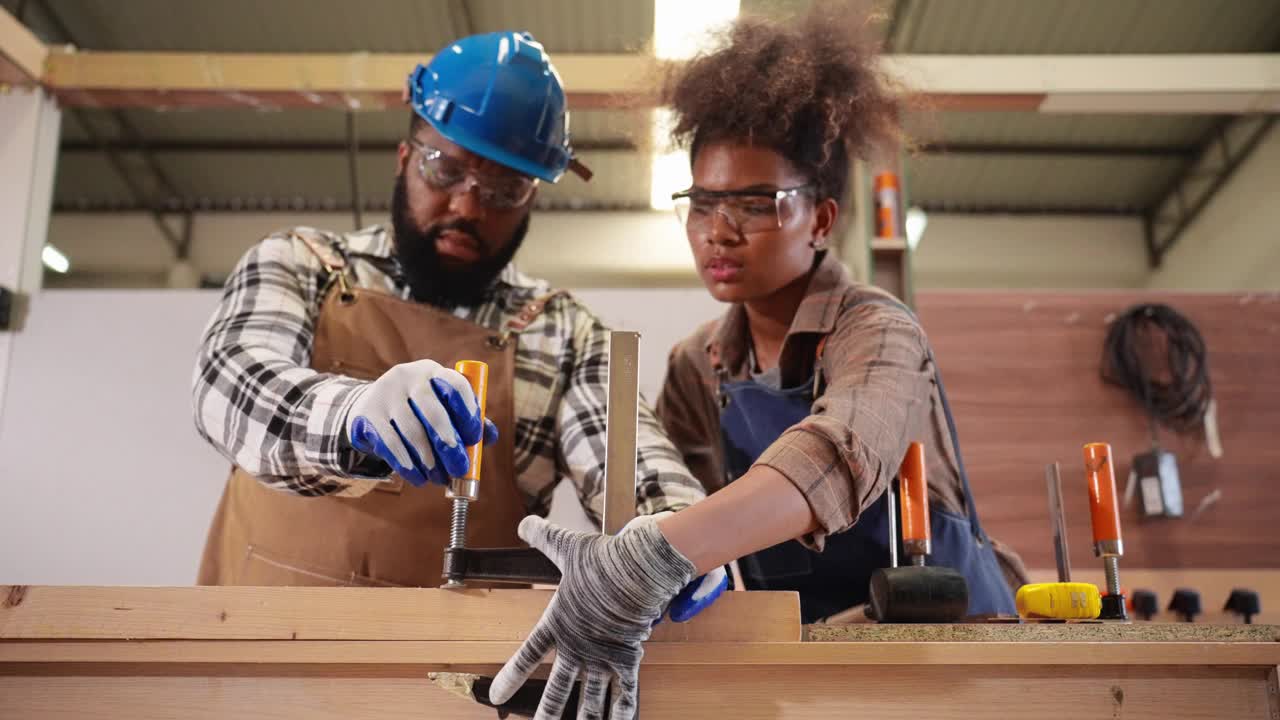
x=698, y=595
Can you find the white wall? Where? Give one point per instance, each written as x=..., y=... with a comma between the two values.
x=1235, y=243
x=29, y=123
x=103, y=479
x=1030, y=251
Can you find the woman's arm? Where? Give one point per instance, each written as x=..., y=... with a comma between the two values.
x=759, y=510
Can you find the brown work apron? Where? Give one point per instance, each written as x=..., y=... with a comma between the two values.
x=394, y=534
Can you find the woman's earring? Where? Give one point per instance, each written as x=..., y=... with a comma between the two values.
x=817, y=244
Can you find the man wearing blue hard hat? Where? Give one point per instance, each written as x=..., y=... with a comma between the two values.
x=325, y=375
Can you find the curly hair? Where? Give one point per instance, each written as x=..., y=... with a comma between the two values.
x=809, y=88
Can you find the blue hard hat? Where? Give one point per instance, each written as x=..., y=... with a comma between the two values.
x=498, y=96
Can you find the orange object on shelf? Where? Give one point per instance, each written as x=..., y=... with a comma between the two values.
x=888, y=202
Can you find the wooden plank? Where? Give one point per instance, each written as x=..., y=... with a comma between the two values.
x=910, y=693
x=1194, y=83
x=1273, y=693
x=1214, y=586
x=297, y=613
x=198, y=698
x=364, y=81
x=238, y=655
x=22, y=55
x=1047, y=632
x=812, y=693
x=620, y=431
x=993, y=346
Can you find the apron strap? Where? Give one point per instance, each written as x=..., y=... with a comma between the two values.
x=951, y=423
x=524, y=318
x=328, y=251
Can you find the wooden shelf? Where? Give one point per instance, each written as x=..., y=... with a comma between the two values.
x=882, y=244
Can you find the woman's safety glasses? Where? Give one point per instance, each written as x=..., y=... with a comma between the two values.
x=451, y=175
x=747, y=211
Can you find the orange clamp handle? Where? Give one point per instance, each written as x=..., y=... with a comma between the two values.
x=477, y=374
x=1103, y=506
x=915, y=495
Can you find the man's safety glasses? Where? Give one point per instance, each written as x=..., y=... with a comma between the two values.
x=448, y=174
x=747, y=211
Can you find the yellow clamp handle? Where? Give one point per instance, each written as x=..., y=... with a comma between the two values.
x=477, y=374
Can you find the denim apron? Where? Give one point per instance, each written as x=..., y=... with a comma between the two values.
x=752, y=417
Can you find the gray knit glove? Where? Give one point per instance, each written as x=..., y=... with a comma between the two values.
x=612, y=590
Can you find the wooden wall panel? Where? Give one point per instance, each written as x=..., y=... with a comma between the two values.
x=1022, y=372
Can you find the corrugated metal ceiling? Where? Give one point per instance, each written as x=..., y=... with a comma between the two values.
x=400, y=26
x=1087, y=26
x=972, y=179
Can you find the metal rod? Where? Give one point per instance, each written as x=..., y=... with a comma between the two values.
x=458, y=524
x=892, y=498
x=620, y=431
x=1111, y=567
x=457, y=539
x=1057, y=516
x=353, y=165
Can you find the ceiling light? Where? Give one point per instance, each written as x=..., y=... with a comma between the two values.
x=680, y=29
x=917, y=220
x=54, y=259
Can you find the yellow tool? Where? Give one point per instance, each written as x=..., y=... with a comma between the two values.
x=1063, y=600
x=1059, y=601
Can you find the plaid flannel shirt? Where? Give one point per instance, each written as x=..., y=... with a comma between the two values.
x=257, y=401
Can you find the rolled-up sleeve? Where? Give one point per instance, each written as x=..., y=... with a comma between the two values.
x=878, y=383
x=686, y=409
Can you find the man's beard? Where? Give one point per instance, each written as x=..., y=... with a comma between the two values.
x=429, y=280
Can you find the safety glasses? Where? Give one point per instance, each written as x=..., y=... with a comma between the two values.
x=448, y=174
x=747, y=211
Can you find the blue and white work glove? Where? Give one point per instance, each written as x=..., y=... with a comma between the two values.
x=613, y=588
x=699, y=594
x=419, y=418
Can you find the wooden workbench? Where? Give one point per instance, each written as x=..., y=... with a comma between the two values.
x=68, y=652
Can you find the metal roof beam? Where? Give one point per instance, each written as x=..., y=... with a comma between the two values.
x=1221, y=154
x=287, y=146
x=994, y=209
x=1057, y=150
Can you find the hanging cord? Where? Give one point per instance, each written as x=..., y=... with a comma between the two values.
x=1157, y=354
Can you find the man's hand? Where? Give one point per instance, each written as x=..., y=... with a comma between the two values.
x=612, y=591
x=419, y=417
x=697, y=595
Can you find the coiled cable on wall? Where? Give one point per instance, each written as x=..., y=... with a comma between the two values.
x=1159, y=356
